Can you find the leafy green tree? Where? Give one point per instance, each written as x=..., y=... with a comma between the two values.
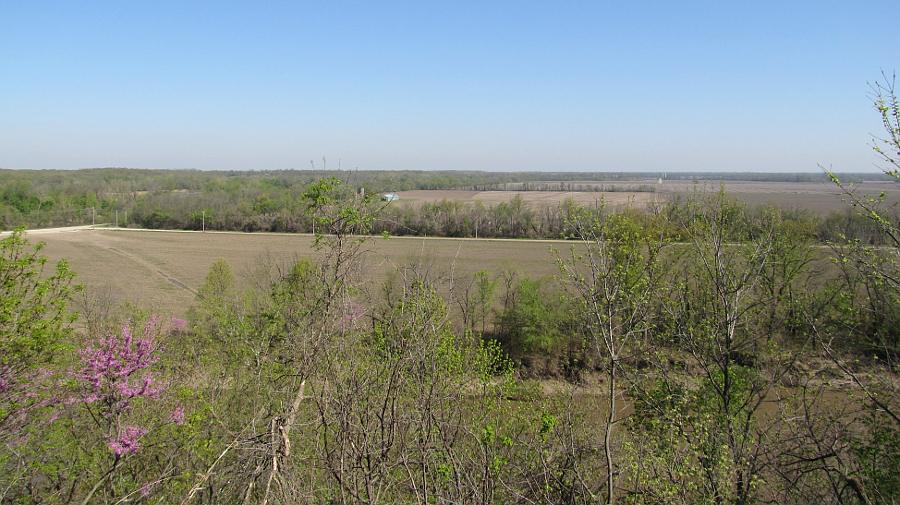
x=35, y=320
x=872, y=295
x=35, y=330
x=532, y=322
x=485, y=291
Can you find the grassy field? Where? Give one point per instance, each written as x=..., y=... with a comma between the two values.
x=817, y=197
x=161, y=270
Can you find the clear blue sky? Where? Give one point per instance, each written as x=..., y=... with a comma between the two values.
x=758, y=86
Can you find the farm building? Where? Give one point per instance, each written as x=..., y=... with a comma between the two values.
x=390, y=197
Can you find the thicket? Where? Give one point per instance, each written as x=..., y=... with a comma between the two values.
x=713, y=364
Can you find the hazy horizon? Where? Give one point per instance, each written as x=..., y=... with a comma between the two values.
x=874, y=171
x=503, y=87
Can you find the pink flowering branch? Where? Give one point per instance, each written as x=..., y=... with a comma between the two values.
x=177, y=415
x=116, y=370
x=23, y=393
x=178, y=325
x=351, y=314
x=128, y=441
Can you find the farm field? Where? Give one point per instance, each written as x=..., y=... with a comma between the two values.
x=532, y=198
x=160, y=270
x=818, y=197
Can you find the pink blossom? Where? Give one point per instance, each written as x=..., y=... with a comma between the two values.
x=146, y=489
x=116, y=368
x=352, y=312
x=26, y=393
x=178, y=325
x=5, y=379
x=127, y=441
x=177, y=415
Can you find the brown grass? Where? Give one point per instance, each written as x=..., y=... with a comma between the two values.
x=159, y=270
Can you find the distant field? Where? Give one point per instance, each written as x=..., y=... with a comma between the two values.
x=532, y=198
x=817, y=197
x=160, y=270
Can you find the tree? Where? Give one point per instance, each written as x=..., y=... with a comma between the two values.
x=287, y=338
x=475, y=300
x=872, y=275
x=614, y=274
x=35, y=322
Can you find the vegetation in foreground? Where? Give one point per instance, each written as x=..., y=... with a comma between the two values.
x=724, y=371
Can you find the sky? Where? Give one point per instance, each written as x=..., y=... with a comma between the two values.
x=426, y=85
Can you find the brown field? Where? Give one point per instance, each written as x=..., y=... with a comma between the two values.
x=160, y=270
x=532, y=198
x=821, y=198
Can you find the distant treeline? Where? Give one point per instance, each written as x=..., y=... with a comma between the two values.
x=272, y=201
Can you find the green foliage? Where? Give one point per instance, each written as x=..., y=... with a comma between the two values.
x=548, y=423
x=214, y=316
x=34, y=314
x=533, y=321
x=879, y=456
x=334, y=211
x=680, y=451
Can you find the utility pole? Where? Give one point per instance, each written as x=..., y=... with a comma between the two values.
x=93, y=217
x=126, y=217
x=117, y=218
x=203, y=220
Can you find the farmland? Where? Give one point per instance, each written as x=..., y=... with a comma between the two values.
x=519, y=354
x=161, y=269
x=818, y=197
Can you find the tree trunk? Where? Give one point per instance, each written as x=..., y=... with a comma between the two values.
x=607, y=448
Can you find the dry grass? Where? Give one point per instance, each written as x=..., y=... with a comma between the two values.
x=159, y=270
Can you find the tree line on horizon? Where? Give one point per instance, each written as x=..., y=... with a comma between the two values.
x=272, y=202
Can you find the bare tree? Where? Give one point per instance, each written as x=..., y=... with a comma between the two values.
x=614, y=273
